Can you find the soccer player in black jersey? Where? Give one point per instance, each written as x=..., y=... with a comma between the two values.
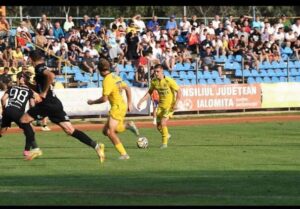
x=14, y=101
x=52, y=107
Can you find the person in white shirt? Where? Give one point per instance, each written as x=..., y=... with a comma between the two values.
x=216, y=22
x=296, y=26
x=184, y=26
x=157, y=51
x=68, y=23
x=139, y=23
x=290, y=36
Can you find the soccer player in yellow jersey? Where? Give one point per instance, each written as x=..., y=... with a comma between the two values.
x=169, y=95
x=113, y=87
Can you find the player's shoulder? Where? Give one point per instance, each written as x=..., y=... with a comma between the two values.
x=169, y=79
x=41, y=68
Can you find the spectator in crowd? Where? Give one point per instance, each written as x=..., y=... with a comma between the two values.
x=4, y=27
x=140, y=78
x=88, y=64
x=5, y=79
x=7, y=57
x=151, y=25
x=286, y=22
x=62, y=58
x=40, y=38
x=184, y=26
x=58, y=31
x=85, y=22
x=97, y=23
x=216, y=21
x=132, y=46
x=18, y=57
x=168, y=59
x=296, y=26
x=194, y=22
x=44, y=24
x=140, y=24
x=74, y=54
x=68, y=24
x=171, y=26
x=122, y=23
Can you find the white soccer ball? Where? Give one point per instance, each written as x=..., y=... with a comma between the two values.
x=142, y=142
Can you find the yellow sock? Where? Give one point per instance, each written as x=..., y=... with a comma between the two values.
x=165, y=135
x=120, y=148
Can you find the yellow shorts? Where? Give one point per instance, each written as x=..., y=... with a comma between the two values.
x=164, y=113
x=118, y=112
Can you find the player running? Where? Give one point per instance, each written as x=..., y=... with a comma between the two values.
x=166, y=88
x=52, y=107
x=14, y=102
x=112, y=91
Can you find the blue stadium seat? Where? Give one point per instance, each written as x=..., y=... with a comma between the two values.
x=270, y=72
x=297, y=78
x=283, y=79
x=167, y=73
x=67, y=70
x=91, y=85
x=258, y=80
x=238, y=73
x=61, y=79
x=275, y=64
x=220, y=59
x=76, y=69
x=200, y=74
x=278, y=72
x=80, y=77
x=294, y=72
x=292, y=79
x=191, y=75
x=174, y=74
x=202, y=81
x=210, y=81
x=178, y=66
x=121, y=67
x=228, y=65
x=182, y=75
x=250, y=80
x=187, y=66
x=297, y=64
x=263, y=73
x=123, y=75
x=130, y=76
x=230, y=58
x=193, y=81
x=267, y=79
x=236, y=66
x=291, y=64
x=238, y=58
x=227, y=81
x=219, y=81
x=254, y=73
x=282, y=64
x=275, y=79
x=207, y=74
x=215, y=74
x=246, y=73
x=186, y=82
x=129, y=68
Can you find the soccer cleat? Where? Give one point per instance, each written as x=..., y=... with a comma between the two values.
x=163, y=146
x=34, y=153
x=132, y=127
x=124, y=157
x=45, y=128
x=26, y=152
x=100, y=151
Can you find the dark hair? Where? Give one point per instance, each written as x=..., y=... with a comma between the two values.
x=35, y=55
x=103, y=65
x=158, y=66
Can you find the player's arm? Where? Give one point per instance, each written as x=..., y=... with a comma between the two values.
x=49, y=80
x=178, y=97
x=145, y=97
x=3, y=101
x=102, y=99
x=129, y=97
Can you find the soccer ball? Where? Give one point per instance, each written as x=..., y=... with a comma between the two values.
x=142, y=142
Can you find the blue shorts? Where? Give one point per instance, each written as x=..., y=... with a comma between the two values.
x=155, y=103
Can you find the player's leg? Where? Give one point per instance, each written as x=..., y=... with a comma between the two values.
x=82, y=137
x=44, y=122
x=162, y=118
x=155, y=103
x=112, y=135
x=25, y=121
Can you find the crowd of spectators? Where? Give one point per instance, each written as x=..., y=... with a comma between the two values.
x=143, y=43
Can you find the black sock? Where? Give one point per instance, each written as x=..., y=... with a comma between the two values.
x=29, y=136
x=84, y=138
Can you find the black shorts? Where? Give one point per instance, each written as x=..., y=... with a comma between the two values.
x=11, y=115
x=51, y=107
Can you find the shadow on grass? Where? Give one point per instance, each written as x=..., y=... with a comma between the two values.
x=154, y=188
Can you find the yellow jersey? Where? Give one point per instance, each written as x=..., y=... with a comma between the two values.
x=166, y=90
x=112, y=87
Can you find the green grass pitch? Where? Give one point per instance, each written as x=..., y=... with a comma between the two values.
x=232, y=164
